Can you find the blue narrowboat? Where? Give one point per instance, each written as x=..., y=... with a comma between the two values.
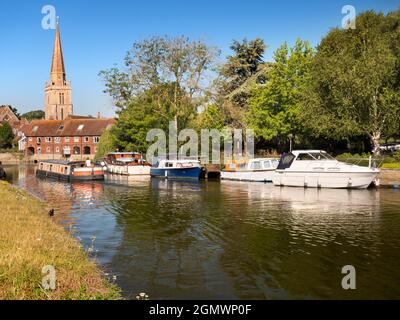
x=177, y=169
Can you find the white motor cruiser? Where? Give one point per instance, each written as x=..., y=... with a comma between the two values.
x=317, y=169
x=258, y=169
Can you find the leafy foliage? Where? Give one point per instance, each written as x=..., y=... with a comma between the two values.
x=275, y=106
x=6, y=135
x=355, y=80
x=34, y=115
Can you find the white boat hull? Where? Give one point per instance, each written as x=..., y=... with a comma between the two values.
x=338, y=180
x=129, y=170
x=257, y=176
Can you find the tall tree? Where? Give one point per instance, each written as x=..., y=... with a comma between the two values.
x=237, y=76
x=356, y=80
x=275, y=105
x=163, y=63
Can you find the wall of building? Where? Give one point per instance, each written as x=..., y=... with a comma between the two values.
x=81, y=148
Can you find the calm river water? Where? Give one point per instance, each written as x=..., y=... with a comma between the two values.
x=230, y=240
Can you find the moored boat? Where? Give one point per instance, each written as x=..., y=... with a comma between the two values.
x=177, y=169
x=70, y=171
x=258, y=169
x=317, y=169
x=127, y=163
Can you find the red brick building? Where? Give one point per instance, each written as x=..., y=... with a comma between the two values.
x=61, y=135
x=75, y=138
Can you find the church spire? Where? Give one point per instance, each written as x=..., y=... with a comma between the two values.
x=57, y=74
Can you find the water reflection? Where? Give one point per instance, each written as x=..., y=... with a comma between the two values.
x=209, y=240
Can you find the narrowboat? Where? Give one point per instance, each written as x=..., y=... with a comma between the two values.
x=177, y=169
x=317, y=169
x=70, y=171
x=257, y=170
x=127, y=163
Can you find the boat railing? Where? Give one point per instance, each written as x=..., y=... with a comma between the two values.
x=370, y=162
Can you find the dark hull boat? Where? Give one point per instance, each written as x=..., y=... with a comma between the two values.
x=177, y=169
x=70, y=171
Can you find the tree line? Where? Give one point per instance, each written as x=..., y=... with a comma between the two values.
x=343, y=95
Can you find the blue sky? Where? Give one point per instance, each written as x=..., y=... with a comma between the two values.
x=97, y=34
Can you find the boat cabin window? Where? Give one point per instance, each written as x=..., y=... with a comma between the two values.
x=305, y=156
x=256, y=165
x=267, y=164
x=169, y=165
x=286, y=161
x=314, y=156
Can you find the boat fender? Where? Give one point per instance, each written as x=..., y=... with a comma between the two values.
x=349, y=183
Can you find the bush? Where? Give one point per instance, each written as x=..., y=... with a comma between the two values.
x=395, y=165
x=6, y=135
x=397, y=155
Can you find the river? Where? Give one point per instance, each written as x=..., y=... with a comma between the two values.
x=230, y=240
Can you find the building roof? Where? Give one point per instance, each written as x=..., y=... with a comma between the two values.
x=69, y=127
x=6, y=111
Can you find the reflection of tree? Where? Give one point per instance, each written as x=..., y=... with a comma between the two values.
x=159, y=248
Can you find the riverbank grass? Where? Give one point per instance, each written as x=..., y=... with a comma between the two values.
x=30, y=240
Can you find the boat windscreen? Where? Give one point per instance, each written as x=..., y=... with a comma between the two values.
x=286, y=161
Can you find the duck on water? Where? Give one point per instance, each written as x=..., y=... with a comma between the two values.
x=2, y=172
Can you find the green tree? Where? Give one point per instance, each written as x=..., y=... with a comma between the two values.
x=211, y=117
x=275, y=106
x=107, y=144
x=151, y=109
x=233, y=85
x=6, y=135
x=355, y=87
x=163, y=63
x=34, y=115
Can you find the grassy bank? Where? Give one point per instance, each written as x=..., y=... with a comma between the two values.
x=30, y=240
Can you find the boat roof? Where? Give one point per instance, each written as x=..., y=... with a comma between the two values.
x=297, y=152
x=130, y=153
x=62, y=162
x=179, y=161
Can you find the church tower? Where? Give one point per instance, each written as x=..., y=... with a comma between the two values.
x=58, y=95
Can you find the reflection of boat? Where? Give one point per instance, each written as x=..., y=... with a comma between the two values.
x=317, y=169
x=261, y=170
x=310, y=200
x=69, y=171
x=127, y=163
x=177, y=169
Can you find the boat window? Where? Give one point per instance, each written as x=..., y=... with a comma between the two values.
x=242, y=166
x=255, y=165
x=267, y=165
x=274, y=163
x=168, y=164
x=305, y=156
x=286, y=161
